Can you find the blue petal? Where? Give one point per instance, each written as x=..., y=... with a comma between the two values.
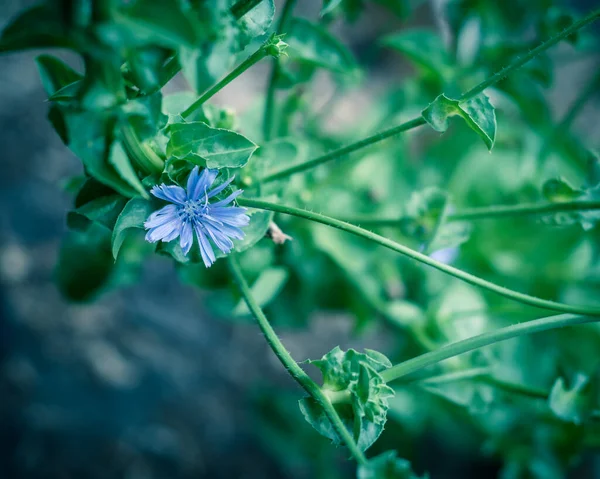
x=162, y=216
x=220, y=239
x=231, y=231
x=174, y=194
x=166, y=232
x=198, y=185
x=206, y=251
x=219, y=188
x=229, y=199
x=231, y=215
x=186, y=239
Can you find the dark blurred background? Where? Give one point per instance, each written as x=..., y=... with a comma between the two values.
x=143, y=382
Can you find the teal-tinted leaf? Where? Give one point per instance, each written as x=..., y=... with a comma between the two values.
x=558, y=190
x=42, y=26
x=134, y=214
x=572, y=404
x=386, y=466
x=118, y=158
x=55, y=74
x=219, y=148
x=145, y=115
x=67, y=93
x=254, y=232
x=256, y=22
x=478, y=112
x=329, y=6
x=103, y=210
x=175, y=103
x=87, y=135
x=424, y=48
x=84, y=264
x=146, y=67
x=265, y=289
x=162, y=23
x=312, y=44
x=103, y=86
x=360, y=396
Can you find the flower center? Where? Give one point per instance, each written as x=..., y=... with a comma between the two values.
x=192, y=210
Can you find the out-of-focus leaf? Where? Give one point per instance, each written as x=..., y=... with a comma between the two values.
x=572, y=404
x=103, y=210
x=387, y=466
x=478, y=112
x=266, y=287
x=55, y=74
x=557, y=190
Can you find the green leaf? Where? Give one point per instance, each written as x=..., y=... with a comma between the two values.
x=87, y=136
x=85, y=264
x=134, y=214
x=386, y=466
x=55, y=74
x=256, y=22
x=312, y=44
x=558, y=190
x=265, y=289
x=145, y=115
x=218, y=147
x=163, y=23
x=478, y=112
x=118, y=158
x=360, y=396
x=42, y=26
x=425, y=48
x=103, y=210
x=573, y=404
x=146, y=67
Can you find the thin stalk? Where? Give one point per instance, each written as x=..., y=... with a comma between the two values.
x=487, y=212
x=290, y=364
x=485, y=339
x=451, y=270
x=258, y=55
x=269, y=113
x=376, y=138
x=517, y=63
x=515, y=388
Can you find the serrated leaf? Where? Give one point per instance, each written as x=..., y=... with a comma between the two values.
x=355, y=377
x=134, y=214
x=266, y=288
x=478, y=112
x=218, y=147
x=387, y=466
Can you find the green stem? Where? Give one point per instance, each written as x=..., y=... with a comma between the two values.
x=485, y=339
x=488, y=212
x=143, y=155
x=269, y=113
x=452, y=271
x=420, y=121
x=258, y=55
x=291, y=365
x=376, y=138
x=515, y=388
x=519, y=62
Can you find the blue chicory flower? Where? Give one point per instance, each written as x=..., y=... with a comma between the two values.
x=190, y=210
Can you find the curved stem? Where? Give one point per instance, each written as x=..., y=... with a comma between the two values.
x=485, y=339
x=292, y=170
x=258, y=55
x=452, y=271
x=291, y=365
x=488, y=212
x=519, y=62
x=144, y=156
x=269, y=114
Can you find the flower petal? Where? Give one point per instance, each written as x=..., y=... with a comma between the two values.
x=229, y=199
x=218, y=189
x=231, y=215
x=219, y=238
x=202, y=183
x=186, y=238
x=174, y=194
x=162, y=216
x=165, y=232
x=230, y=231
x=206, y=251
